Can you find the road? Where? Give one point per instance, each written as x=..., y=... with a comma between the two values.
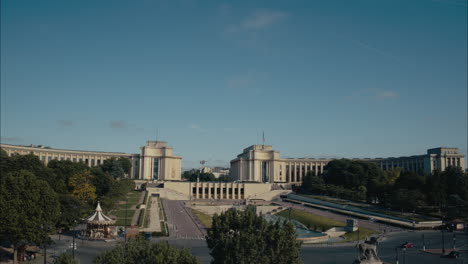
x=339, y=217
x=433, y=239
x=320, y=254
x=85, y=251
x=184, y=233
x=180, y=222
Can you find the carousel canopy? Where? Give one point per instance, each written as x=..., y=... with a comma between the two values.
x=99, y=218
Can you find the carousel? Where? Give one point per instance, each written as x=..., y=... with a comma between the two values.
x=98, y=225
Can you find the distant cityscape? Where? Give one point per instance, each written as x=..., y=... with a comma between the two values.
x=257, y=163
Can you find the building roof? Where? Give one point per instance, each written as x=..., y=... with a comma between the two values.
x=99, y=218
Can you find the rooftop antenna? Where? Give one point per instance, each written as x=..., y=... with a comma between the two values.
x=157, y=134
x=263, y=139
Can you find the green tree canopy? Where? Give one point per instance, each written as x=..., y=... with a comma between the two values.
x=33, y=164
x=192, y=176
x=29, y=208
x=82, y=188
x=65, y=258
x=244, y=237
x=65, y=169
x=117, y=167
x=143, y=251
x=126, y=164
x=313, y=183
x=101, y=180
x=3, y=153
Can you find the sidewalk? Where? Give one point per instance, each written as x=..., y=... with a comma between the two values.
x=154, y=221
x=438, y=251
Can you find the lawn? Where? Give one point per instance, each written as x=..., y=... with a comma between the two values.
x=205, y=219
x=370, y=207
x=123, y=213
x=124, y=208
x=121, y=221
x=363, y=233
x=312, y=221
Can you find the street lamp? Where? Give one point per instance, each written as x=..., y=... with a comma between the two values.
x=424, y=243
x=404, y=255
x=396, y=254
x=44, y=228
x=126, y=208
x=443, y=242
x=453, y=241
x=74, y=235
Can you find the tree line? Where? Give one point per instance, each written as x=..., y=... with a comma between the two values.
x=194, y=175
x=36, y=199
x=235, y=237
x=445, y=192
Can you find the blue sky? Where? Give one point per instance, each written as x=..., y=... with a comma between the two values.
x=327, y=78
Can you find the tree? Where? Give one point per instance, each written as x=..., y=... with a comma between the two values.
x=29, y=208
x=142, y=251
x=71, y=209
x=126, y=164
x=101, y=180
x=312, y=182
x=408, y=200
x=3, y=153
x=65, y=169
x=82, y=188
x=244, y=237
x=65, y=258
x=194, y=175
x=225, y=178
x=117, y=168
x=33, y=164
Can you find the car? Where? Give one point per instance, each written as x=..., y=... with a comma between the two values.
x=454, y=254
x=407, y=245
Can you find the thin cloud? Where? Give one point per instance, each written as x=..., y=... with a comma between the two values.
x=65, y=123
x=387, y=94
x=374, y=94
x=118, y=124
x=241, y=81
x=259, y=20
x=369, y=47
x=197, y=128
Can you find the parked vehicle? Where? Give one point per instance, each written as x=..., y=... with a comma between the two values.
x=407, y=245
x=454, y=254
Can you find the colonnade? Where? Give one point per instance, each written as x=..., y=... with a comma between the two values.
x=217, y=190
x=296, y=170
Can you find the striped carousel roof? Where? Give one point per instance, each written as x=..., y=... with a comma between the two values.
x=98, y=217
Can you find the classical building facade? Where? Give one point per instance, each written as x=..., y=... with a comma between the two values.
x=156, y=161
x=260, y=163
x=434, y=159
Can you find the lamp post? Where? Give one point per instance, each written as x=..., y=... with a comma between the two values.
x=453, y=241
x=358, y=234
x=44, y=228
x=396, y=254
x=404, y=255
x=424, y=243
x=73, y=245
x=126, y=208
x=443, y=242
